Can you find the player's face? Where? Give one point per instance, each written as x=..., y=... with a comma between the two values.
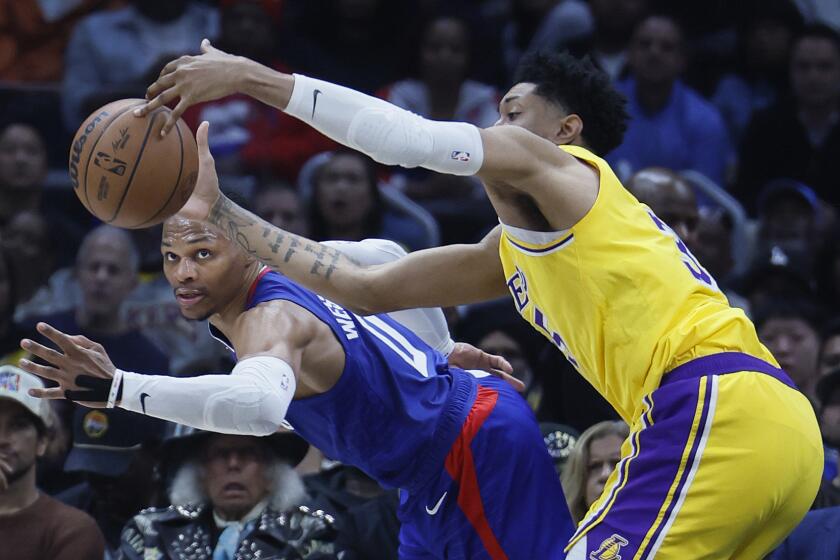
x=203, y=267
x=522, y=106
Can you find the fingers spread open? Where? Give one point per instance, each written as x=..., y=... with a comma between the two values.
x=62, y=340
x=47, y=354
x=46, y=372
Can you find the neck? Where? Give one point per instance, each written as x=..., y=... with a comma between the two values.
x=443, y=98
x=13, y=201
x=817, y=115
x=20, y=494
x=653, y=97
x=226, y=317
x=108, y=322
x=238, y=516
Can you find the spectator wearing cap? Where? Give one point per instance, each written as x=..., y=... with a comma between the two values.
x=34, y=526
x=114, y=451
x=590, y=464
x=670, y=124
x=233, y=497
x=828, y=395
x=791, y=331
x=799, y=137
x=560, y=440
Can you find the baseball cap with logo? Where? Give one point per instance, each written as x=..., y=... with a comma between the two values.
x=106, y=441
x=15, y=385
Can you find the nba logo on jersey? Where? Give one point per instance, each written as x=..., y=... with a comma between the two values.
x=518, y=286
x=609, y=549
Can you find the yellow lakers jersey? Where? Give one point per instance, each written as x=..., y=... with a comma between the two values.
x=621, y=295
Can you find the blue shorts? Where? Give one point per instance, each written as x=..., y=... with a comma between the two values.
x=498, y=495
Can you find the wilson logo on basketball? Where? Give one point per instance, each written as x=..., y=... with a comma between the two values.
x=78, y=145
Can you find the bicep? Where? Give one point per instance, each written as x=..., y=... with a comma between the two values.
x=515, y=155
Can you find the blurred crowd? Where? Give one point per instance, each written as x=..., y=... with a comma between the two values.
x=734, y=141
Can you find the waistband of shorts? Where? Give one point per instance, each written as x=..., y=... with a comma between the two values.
x=722, y=364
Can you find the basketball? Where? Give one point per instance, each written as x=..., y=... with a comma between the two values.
x=124, y=173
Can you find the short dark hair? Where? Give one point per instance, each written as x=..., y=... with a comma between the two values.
x=818, y=31
x=804, y=309
x=583, y=89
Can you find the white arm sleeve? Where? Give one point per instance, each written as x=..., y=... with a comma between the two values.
x=428, y=323
x=252, y=400
x=385, y=132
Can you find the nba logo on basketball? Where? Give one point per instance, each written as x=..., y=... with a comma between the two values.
x=609, y=549
x=460, y=156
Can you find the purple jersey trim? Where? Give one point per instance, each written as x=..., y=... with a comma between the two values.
x=723, y=363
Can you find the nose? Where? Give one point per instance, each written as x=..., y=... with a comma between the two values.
x=185, y=271
x=101, y=273
x=783, y=345
x=606, y=470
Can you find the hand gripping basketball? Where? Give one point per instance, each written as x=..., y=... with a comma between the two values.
x=193, y=79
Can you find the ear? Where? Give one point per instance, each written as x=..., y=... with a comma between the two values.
x=43, y=443
x=569, y=130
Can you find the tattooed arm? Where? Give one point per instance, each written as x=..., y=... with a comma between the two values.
x=444, y=276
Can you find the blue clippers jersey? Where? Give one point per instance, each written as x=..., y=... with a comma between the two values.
x=397, y=407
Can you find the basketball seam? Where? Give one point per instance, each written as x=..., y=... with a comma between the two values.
x=177, y=182
x=136, y=165
x=93, y=149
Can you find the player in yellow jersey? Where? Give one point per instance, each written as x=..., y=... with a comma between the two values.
x=724, y=456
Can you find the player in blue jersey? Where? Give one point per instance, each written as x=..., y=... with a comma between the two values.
x=464, y=448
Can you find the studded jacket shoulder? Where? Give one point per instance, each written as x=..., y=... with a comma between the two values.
x=189, y=533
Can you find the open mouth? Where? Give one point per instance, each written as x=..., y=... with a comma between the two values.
x=187, y=298
x=233, y=488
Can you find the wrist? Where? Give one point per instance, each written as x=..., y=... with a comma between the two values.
x=267, y=85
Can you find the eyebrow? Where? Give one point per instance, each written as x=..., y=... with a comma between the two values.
x=510, y=98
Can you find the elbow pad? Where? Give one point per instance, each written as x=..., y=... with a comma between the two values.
x=252, y=400
x=385, y=132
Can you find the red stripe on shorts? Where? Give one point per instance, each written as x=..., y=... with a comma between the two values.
x=461, y=467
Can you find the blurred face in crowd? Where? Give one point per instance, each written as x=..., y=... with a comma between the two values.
x=20, y=442
x=617, y=18
x=815, y=71
x=343, y=191
x=105, y=271
x=204, y=267
x=767, y=44
x=713, y=246
x=444, y=54
x=235, y=474
x=247, y=30
x=656, y=52
x=604, y=455
x=670, y=198
x=501, y=344
x=280, y=205
x=795, y=344
x=26, y=236
x=23, y=157
x=830, y=354
x=830, y=419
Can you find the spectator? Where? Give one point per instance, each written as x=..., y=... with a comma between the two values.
x=543, y=25
x=233, y=497
x=34, y=526
x=279, y=204
x=23, y=170
x=347, y=205
x=828, y=394
x=114, y=451
x=760, y=79
x=593, y=459
x=27, y=242
x=830, y=351
x=799, y=138
x=670, y=197
x=670, y=124
x=560, y=440
x=789, y=218
x=116, y=54
x=10, y=332
x=828, y=270
x=791, y=331
x=248, y=136
x=614, y=21
x=816, y=538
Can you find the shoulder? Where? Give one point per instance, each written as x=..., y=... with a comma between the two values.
x=70, y=518
x=702, y=111
x=95, y=21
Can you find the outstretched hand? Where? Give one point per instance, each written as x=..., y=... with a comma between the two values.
x=193, y=79
x=467, y=356
x=80, y=359
x=206, y=191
